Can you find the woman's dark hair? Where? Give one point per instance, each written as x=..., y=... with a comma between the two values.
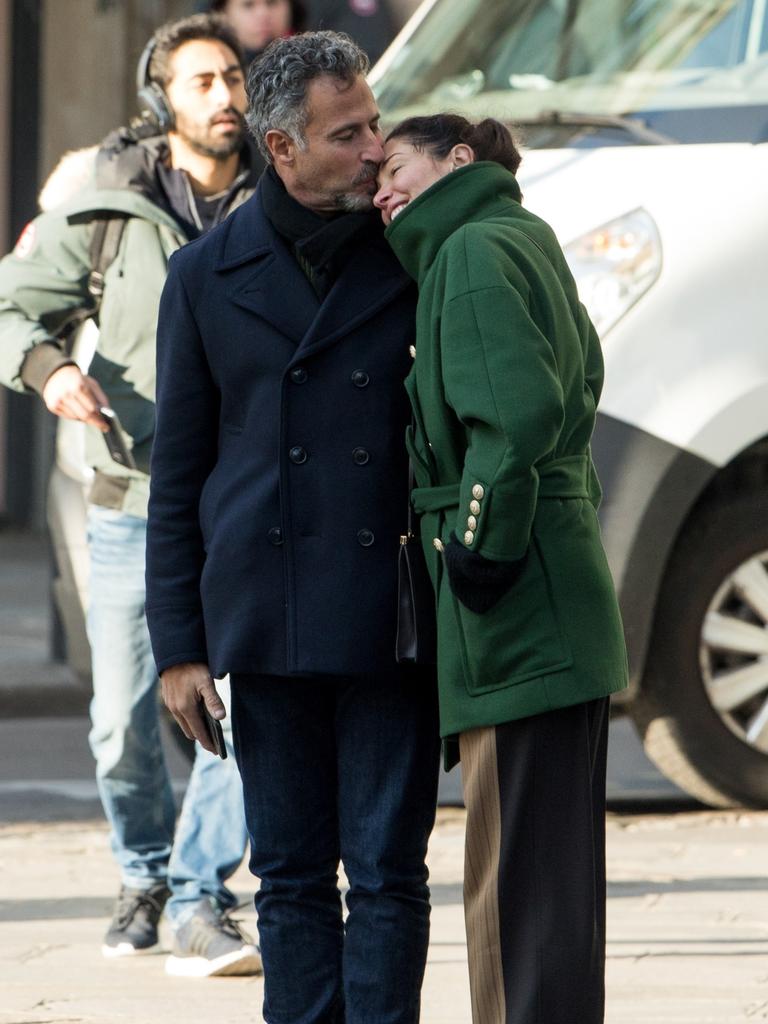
x=439, y=133
x=298, y=12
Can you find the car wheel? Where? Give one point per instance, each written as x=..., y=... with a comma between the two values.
x=703, y=706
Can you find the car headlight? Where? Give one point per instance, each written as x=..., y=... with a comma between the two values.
x=614, y=265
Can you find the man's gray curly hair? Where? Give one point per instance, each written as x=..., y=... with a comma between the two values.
x=278, y=81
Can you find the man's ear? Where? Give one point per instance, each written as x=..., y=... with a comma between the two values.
x=462, y=155
x=281, y=147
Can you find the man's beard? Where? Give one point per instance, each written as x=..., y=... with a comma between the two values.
x=201, y=142
x=358, y=202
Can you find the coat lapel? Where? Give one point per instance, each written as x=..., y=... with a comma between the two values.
x=261, y=274
x=365, y=286
x=264, y=278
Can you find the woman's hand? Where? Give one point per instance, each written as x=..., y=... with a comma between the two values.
x=476, y=581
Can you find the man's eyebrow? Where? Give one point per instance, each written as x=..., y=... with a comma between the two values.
x=345, y=127
x=210, y=73
x=350, y=126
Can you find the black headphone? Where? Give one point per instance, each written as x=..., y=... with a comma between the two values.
x=153, y=103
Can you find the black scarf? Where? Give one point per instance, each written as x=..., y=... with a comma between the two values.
x=321, y=246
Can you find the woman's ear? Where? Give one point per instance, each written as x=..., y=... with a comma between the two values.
x=462, y=155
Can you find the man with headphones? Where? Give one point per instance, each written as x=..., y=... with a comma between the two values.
x=184, y=168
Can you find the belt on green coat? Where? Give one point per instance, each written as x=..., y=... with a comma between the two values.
x=559, y=478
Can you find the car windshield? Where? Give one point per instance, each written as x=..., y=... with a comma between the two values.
x=671, y=65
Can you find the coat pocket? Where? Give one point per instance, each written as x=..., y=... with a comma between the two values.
x=519, y=638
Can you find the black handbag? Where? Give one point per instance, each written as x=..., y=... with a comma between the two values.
x=416, y=639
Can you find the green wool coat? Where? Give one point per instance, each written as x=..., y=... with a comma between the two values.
x=506, y=378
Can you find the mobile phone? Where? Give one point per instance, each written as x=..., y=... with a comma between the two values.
x=215, y=732
x=115, y=439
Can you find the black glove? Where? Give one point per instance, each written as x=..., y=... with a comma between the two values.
x=478, y=582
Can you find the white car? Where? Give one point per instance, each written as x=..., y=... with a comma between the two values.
x=645, y=128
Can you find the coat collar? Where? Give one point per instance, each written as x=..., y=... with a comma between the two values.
x=260, y=274
x=364, y=287
x=463, y=196
x=264, y=278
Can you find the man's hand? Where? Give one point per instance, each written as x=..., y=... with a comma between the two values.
x=185, y=688
x=69, y=393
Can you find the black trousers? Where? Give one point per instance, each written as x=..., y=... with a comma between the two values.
x=534, y=877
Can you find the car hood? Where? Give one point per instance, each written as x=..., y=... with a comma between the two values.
x=577, y=190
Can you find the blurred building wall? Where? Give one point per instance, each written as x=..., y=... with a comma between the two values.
x=90, y=49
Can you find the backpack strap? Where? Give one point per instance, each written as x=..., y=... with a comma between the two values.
x=105, y=242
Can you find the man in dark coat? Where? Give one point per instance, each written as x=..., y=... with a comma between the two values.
x=279, y=491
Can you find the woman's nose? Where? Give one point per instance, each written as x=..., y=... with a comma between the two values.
x=381, y=197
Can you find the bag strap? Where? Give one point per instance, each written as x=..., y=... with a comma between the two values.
x=411, y=482
x=105, y=243
x=409, y=534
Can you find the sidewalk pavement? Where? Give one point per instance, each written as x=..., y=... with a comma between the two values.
x=687, y=908
x=30, y=682
x=687, y=927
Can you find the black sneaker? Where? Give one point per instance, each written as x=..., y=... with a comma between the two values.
x=211, y=943
x=134, y=925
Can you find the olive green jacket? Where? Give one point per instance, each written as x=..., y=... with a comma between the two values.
x=44, y=285
x=506, y=378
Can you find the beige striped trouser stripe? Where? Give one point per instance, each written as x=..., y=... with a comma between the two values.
x=481, y=874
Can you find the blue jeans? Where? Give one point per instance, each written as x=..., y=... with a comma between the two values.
x=131, y=773
x=339, y=770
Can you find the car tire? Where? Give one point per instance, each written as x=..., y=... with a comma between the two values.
x=713, y=591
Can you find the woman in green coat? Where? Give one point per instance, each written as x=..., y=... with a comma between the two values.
x=506, y=378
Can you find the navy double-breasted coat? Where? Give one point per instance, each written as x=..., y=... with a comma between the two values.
x=279, y=474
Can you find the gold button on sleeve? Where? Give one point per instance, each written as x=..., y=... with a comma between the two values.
x=472, y=523
x=474, y=508
x=469, y=537
x=478, y=491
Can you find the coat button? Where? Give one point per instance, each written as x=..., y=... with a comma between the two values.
x=472, y=522
x=360, y=456
x=297, y=455
x=412, y=351
x=365, y=538
x=299, y=375
x=275, y=536
x=469, y=537
x=360, y=379
x=474, y=508
x=478, y=491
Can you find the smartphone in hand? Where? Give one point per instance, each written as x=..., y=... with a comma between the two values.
x=215, y=732
x=115, y=439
